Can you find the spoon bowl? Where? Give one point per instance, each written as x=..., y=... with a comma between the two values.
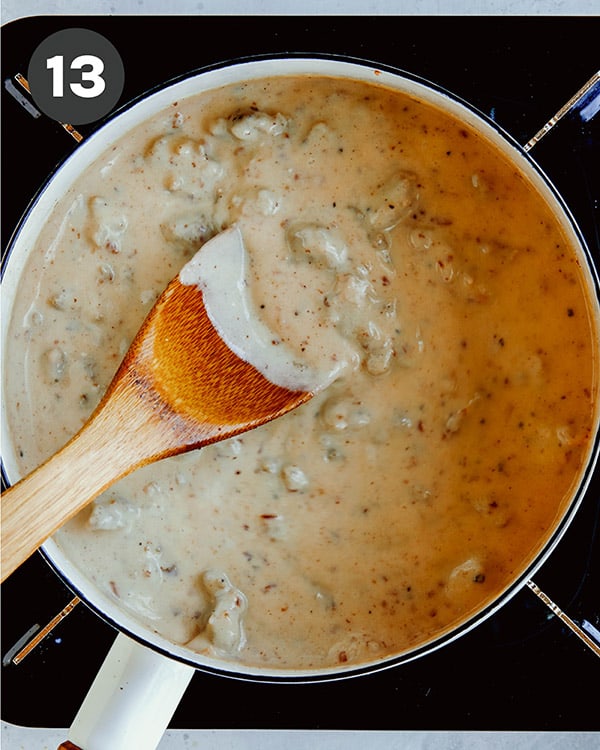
x=179, y=387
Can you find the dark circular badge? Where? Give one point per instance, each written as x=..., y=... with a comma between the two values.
x=76, y=76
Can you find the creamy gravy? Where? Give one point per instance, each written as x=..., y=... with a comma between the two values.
x=411, y=491
x=219, y=270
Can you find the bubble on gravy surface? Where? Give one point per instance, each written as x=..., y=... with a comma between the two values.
x=411, y=491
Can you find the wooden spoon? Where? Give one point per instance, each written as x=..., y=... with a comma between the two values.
x=179, y=387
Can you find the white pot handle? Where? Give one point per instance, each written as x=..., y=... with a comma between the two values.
x=131, y=700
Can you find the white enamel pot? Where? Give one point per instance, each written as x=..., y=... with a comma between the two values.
x=144, y=675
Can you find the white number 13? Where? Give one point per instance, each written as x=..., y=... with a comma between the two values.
x=92, y=75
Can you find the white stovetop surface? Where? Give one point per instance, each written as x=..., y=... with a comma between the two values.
x=24, y=738
x=18, y=8
x=19, y=738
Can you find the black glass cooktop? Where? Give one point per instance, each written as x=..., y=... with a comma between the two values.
x=520, y=670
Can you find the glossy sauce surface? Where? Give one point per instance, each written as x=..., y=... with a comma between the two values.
x=410, y=492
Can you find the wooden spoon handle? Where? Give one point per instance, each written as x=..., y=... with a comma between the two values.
x=119, y=437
